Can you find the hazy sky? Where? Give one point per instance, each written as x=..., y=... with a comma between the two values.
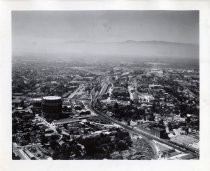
x=32, y=28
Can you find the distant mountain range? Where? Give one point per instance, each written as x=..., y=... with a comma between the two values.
x=97, y=50
x=130, y=42
x=137, y=48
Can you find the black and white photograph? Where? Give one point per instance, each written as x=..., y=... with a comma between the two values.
x=105, y=85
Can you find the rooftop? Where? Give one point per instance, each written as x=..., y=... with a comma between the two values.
x=51, y=98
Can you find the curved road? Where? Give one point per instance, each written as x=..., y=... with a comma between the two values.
x=146, y=135
x=129, y=129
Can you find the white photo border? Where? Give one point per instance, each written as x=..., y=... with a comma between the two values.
x=6, y=162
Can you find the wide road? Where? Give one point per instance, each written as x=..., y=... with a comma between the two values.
x=130, y=130
x=76, y=91
x=19, y=152
x=146, y=135
x=71, y=120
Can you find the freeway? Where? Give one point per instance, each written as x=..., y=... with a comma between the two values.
x=146, y=135
x=76, y=91
x=106, y=117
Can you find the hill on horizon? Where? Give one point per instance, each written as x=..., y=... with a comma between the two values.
x=100, y=50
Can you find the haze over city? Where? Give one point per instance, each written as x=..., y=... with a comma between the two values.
x=98, y=34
